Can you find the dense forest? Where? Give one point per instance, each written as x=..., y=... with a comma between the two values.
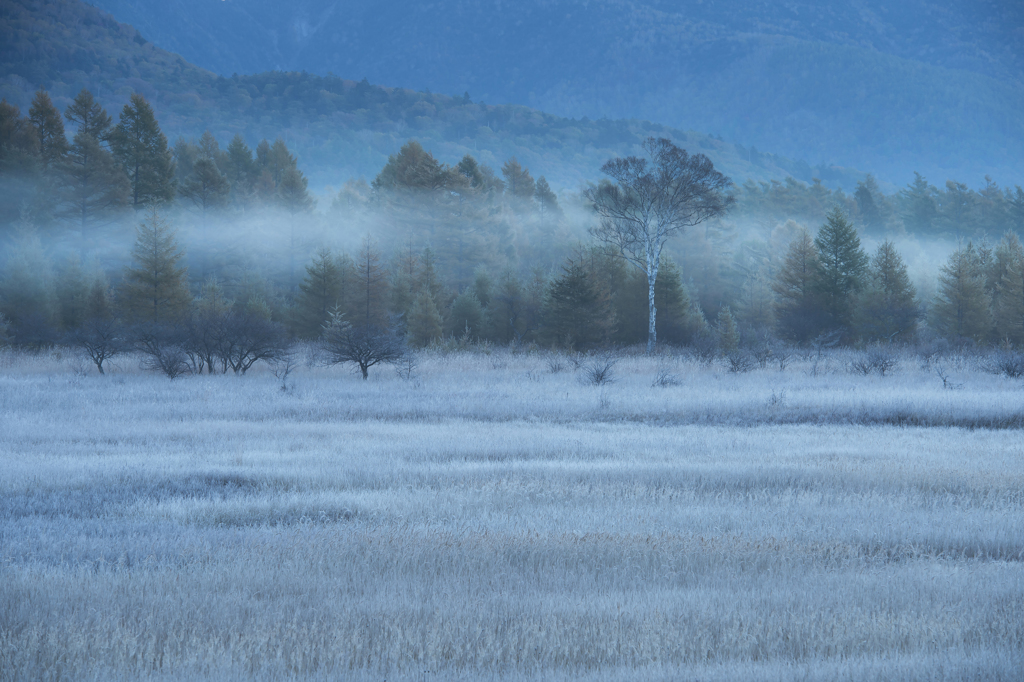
x=433, y=252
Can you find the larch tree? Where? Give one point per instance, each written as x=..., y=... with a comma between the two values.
x=319, y=294
x=652, y=200
x=155, y=287
x=142, y=151
x=962, y=306
x=53, y=144
x=796, y=290
x=95, y=185
x=889, y=310
x=1009, y=305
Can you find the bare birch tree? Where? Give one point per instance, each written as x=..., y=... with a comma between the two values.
x=653, y=199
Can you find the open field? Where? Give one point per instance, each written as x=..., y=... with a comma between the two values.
x=491, y=518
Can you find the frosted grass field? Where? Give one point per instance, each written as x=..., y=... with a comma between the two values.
x=492, y=519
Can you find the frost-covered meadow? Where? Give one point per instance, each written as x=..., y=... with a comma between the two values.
x=494, y=516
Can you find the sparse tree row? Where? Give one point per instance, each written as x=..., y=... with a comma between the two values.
x=461, y=254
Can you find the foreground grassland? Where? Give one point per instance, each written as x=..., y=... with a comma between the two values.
x=495, y=517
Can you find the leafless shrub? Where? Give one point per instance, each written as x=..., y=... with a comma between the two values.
x=1007, y=363
x=776, y=400
x=878, y=359
x=576, y=361
x=782, y=353
x=704, y=348
x=664, y=379
x=598, y=372
x=555, y=364
x=740, y=362
x=282, y=367
x=169, y=359
x=407, y=366
x=947, y=383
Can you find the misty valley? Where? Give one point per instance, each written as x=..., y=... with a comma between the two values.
x=311, y=378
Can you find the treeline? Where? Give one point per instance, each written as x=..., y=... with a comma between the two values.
x=921, y=209
x=456, y=252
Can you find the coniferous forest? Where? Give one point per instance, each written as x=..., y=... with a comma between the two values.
x=116, y=232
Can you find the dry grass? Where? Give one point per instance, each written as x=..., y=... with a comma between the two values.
x=490, y=519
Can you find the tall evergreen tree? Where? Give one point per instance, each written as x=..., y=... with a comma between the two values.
x=425, y=322
x=467, y=315
x=1009, y=303
x=842, y=267
x=142, y=151
x=547, y=201
x=797, y=308
x=53, y=144
x=370, y=289
x=577, y=310
x=889, y=311
x=518, y=180
x=240, y=169
x=920, y=212
x=961, y=309
x=319, y=294
x=155, y=287
x=95, y=185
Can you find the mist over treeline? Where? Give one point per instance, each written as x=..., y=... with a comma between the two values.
x=106, y=220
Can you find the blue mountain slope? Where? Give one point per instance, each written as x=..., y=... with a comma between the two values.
x=930, y=85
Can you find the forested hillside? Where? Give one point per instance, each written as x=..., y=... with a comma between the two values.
x=926, y=85
x=340, y=128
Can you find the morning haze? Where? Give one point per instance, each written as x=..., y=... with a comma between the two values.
x=512, y=341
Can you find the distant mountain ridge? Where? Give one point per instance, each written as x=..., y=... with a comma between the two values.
x=338, y=128
x=928, y=85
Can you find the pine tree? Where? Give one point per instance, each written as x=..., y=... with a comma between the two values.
x=319, y=294
x=920, y=213
x=1009, y=304
x=155, y=287
x=842, y=267
x=89, y=117
x=53, y=144
x=141, y=149
x=961, y=309
x=889, y=309
x=797, y=309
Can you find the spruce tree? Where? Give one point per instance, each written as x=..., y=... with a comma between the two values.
x=155, y=287
x=547, y=201
x=842, y=267
x=142, y=151
x=576, y=310
x=518, y=181
x=797, y=310
x=889, y=309
x=961, y=308
x=370, y=289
